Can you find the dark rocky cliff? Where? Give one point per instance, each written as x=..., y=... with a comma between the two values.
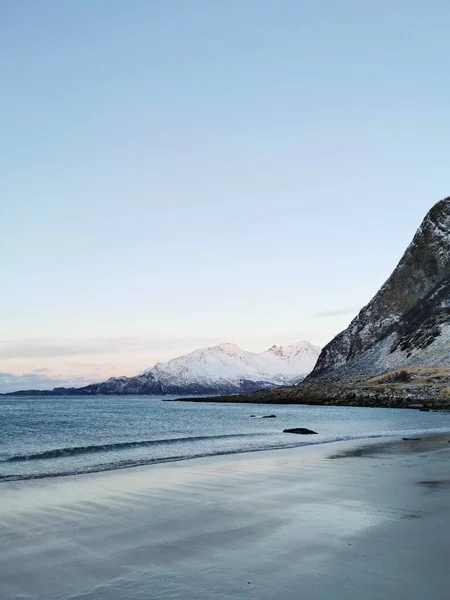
x=408, y=321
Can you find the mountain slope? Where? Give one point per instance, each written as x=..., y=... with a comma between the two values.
x=227, y=366
x=408, y=320
x=223, y=369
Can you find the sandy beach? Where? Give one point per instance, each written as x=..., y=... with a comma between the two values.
x=345, y=520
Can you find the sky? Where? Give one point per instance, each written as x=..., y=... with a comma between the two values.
x=178, y=174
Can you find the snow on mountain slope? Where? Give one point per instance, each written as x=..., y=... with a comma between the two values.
x=293, y=359
x=223, y=369
x=228, y=364
x=407, y=323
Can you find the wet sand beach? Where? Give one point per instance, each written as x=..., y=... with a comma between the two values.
x=367, y=519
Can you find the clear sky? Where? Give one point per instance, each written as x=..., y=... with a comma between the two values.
x=177, y=173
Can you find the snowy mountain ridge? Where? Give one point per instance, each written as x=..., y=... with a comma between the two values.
x=222, y=369
x=227, y=363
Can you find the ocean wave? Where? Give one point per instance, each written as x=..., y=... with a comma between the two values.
x=93, y=448
x=72, y=470
x=146, y=462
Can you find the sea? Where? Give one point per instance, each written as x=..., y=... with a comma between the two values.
x=59, y=436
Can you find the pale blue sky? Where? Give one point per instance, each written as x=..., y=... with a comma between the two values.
x=178, y=173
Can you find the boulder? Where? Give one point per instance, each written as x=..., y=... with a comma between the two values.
x=301, y=431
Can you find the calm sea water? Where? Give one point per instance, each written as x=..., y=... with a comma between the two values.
x=47, y=437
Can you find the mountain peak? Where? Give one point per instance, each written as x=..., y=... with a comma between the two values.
x=277, y=350
x=227, y=348
x=293, y=348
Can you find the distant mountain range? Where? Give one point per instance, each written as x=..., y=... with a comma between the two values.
x=223, y=369
x=407, y=323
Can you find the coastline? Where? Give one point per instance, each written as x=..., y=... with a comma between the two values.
x=431, y=397
x=428, y=389
x=340, y=520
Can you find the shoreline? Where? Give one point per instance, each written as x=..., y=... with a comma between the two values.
x=371, y=445
x=378, y=393
x=346, y=519
x=436, y=398
x=304, y=442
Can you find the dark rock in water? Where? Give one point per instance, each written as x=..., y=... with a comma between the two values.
x=269, y=416
x=252, y=416
x=411, y=439
x=301, y=431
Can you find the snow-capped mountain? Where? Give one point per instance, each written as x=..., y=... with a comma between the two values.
x=223, y=369
x=407, y=323
x=227, y=367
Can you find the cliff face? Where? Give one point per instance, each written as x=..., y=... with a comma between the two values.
x=408, y=321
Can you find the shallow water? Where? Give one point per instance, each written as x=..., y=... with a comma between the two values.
x=42, y=437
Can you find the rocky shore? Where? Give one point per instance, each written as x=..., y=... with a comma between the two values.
x=432, y=397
